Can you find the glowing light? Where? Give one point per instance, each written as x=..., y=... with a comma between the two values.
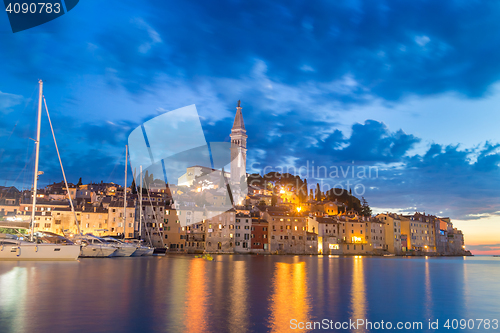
x=356, y=239
x=199, y=189
x=299, y=209
x=333, y=246
x=282, y=191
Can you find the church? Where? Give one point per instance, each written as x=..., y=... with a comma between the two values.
x=238, y=147
x=238, y=157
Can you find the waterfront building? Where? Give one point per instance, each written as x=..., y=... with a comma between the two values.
x=195, y=241
x=419, y=231
x=376, y=235
x=392, y=225
x=220, y=231
x=354, y=235
x=120, y=220
x=172, y=231
x=93, y=220
x=260, y=235
x=243, y=233
x=327, y=231
x=287, y=231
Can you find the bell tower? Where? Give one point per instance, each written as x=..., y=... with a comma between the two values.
x=238, y=147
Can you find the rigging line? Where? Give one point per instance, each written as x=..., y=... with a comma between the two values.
x=113, y=171
x=62, y=168
x=13, y=129
x=156, y=218
x=17, y=122
x=19, y=175
x=140, y=212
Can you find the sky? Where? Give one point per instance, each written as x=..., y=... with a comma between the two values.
x=411, y=89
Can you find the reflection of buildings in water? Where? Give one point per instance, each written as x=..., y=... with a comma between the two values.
x=176, y=293
x=238, y=316
x=428, y=293
x=289, y=299
x=195, y=316
x=358, y=291
x=13, y=286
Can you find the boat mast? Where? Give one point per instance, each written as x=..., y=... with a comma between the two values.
x=140, y=204
x=37, y=154
x=62, y=168
x=125, y=194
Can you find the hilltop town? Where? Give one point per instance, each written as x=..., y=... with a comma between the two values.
x=215, y=211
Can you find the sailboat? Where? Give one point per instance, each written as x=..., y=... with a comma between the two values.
x=44, y=247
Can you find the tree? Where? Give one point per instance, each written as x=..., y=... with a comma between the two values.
x=79, y=182
x=365, y=208
x=318, y=193
x=133, y=187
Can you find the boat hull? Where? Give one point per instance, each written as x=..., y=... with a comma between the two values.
x=123, y=252
x=39, y=252
x=96, y=251
x=141, y=251
x=159, y=251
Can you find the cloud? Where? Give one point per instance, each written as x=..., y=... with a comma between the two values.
x=422, y=40
x=488, y=247
x=7, y=101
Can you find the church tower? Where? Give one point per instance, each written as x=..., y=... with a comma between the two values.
x=238, y=147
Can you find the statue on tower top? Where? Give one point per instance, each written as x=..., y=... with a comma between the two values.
x=239, y=103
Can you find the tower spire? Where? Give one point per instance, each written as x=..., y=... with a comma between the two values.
x=238, y=119
x=238, y=147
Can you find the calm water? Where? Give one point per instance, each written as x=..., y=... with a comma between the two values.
x=242, y=293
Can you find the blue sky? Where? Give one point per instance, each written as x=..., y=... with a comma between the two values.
x=410, y=87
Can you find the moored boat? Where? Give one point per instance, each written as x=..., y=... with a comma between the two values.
x=122, y=249
x=94, y=247
x=13, y=248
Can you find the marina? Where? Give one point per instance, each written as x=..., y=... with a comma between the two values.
x=241, y=293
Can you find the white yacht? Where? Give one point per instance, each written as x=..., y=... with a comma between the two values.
x=94, y=247
x=13, y=248
x=142, y=250
x=122, y=249
x=48, y=247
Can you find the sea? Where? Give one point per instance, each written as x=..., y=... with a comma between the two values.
x=252, y=293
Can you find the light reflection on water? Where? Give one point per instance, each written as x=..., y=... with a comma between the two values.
x=241, y=293
x=358, y=292
x=289, y=298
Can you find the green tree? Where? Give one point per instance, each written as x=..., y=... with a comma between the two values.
x=133, y=187
x=365, y=208
x=318, y=193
